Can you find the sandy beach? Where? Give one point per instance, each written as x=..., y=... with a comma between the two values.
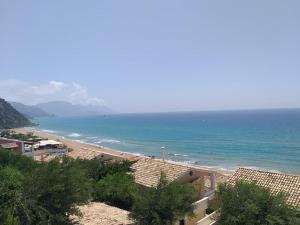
x=89, y=151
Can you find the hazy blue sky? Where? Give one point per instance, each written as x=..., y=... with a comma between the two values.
x=156, y=55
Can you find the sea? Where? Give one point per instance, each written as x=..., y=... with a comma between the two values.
x=261, y=139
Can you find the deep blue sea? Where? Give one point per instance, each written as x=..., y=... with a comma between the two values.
x=264, y=139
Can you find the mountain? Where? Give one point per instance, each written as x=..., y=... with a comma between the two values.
x=10, y=117
x=29, y=111
x=66, y=109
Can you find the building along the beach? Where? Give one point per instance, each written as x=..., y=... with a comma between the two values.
x=147, y=172
x=21, y=147
x=276, y=182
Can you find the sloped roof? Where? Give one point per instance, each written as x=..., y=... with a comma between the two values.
x=147, y=171
x=96, y=213
x=276, y=182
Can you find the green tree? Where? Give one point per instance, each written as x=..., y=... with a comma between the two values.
x=250, y=204
x=58, y=187
x=118, y=190
x=13, y=208
x=164, y=204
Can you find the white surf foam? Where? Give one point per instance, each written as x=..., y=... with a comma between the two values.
x=74, y=135
x=49, y=131
x=108, y=141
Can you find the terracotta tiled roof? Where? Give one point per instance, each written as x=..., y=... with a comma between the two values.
x=147, y=171
x=97, y=213
x=276, y=182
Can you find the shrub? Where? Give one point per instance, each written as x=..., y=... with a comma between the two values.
x=163, y=205
x=33, y=193
x=118, y=189
x=59, y=187
x=248, y=204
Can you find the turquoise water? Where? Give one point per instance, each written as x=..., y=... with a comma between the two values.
x=265, y=139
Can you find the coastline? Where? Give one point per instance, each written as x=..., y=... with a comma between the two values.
x=89, y=151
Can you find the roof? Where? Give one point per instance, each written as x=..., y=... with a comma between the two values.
x=147, y=171
x=49, y=142
x=96, y=213
x=9, y=145
x=276, y=182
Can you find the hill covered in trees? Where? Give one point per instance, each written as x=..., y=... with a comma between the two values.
x=10, y=117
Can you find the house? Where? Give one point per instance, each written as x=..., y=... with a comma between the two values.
x=18, y=146
x=11, y=144
x=147, y=172
x=276, y=182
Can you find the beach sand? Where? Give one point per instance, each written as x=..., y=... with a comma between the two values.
x=89, y=151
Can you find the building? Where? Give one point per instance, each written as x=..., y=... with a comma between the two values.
x=147, y=172
x=49, y=147
x=11, y=144
x=276, y=182
x=18, y=146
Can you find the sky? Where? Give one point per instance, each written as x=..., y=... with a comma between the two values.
x=152, y=56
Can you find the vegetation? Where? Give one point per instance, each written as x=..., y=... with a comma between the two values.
x=10, y=117
x=38, y=193
x=163, y=205
x=118, y=190
x=19, y=136
x=248, y=204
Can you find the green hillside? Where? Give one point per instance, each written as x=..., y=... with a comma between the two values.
x=10, y=117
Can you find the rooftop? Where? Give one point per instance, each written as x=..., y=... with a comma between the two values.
x=147, y=171
x=49, y=142
x=96, y=213
x=276, y=182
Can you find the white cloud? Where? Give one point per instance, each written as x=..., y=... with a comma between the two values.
x=80, y=95
x=33, y=93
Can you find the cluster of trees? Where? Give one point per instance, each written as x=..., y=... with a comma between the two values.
x=39, y=193
x=249, y=204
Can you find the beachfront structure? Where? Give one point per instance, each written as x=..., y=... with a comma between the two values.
x=48, y=147
x=276, y=182
x=147, y=172
x=18, y=146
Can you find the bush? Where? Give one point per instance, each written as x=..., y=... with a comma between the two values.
x=163, y=205
x=118, y=190
x=59, y=187
x=96, y=169
x=248, y=204
x=11, y=197
x=40, y=193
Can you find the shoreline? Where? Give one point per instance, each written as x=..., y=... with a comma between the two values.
x=88, y=150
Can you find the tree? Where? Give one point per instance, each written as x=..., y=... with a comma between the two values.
x=58, y=187
x=33, y=193
x=13, y=208
x=164, y=204
x=250, y=204
x=118, y=189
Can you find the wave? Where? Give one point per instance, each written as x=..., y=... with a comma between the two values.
x=74, y=135
x=49, y=131
x=108, y=141
x=178, y=154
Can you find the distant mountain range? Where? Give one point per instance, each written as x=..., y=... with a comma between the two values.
x=10, y=117
x=29, y=111
x=61, y=109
